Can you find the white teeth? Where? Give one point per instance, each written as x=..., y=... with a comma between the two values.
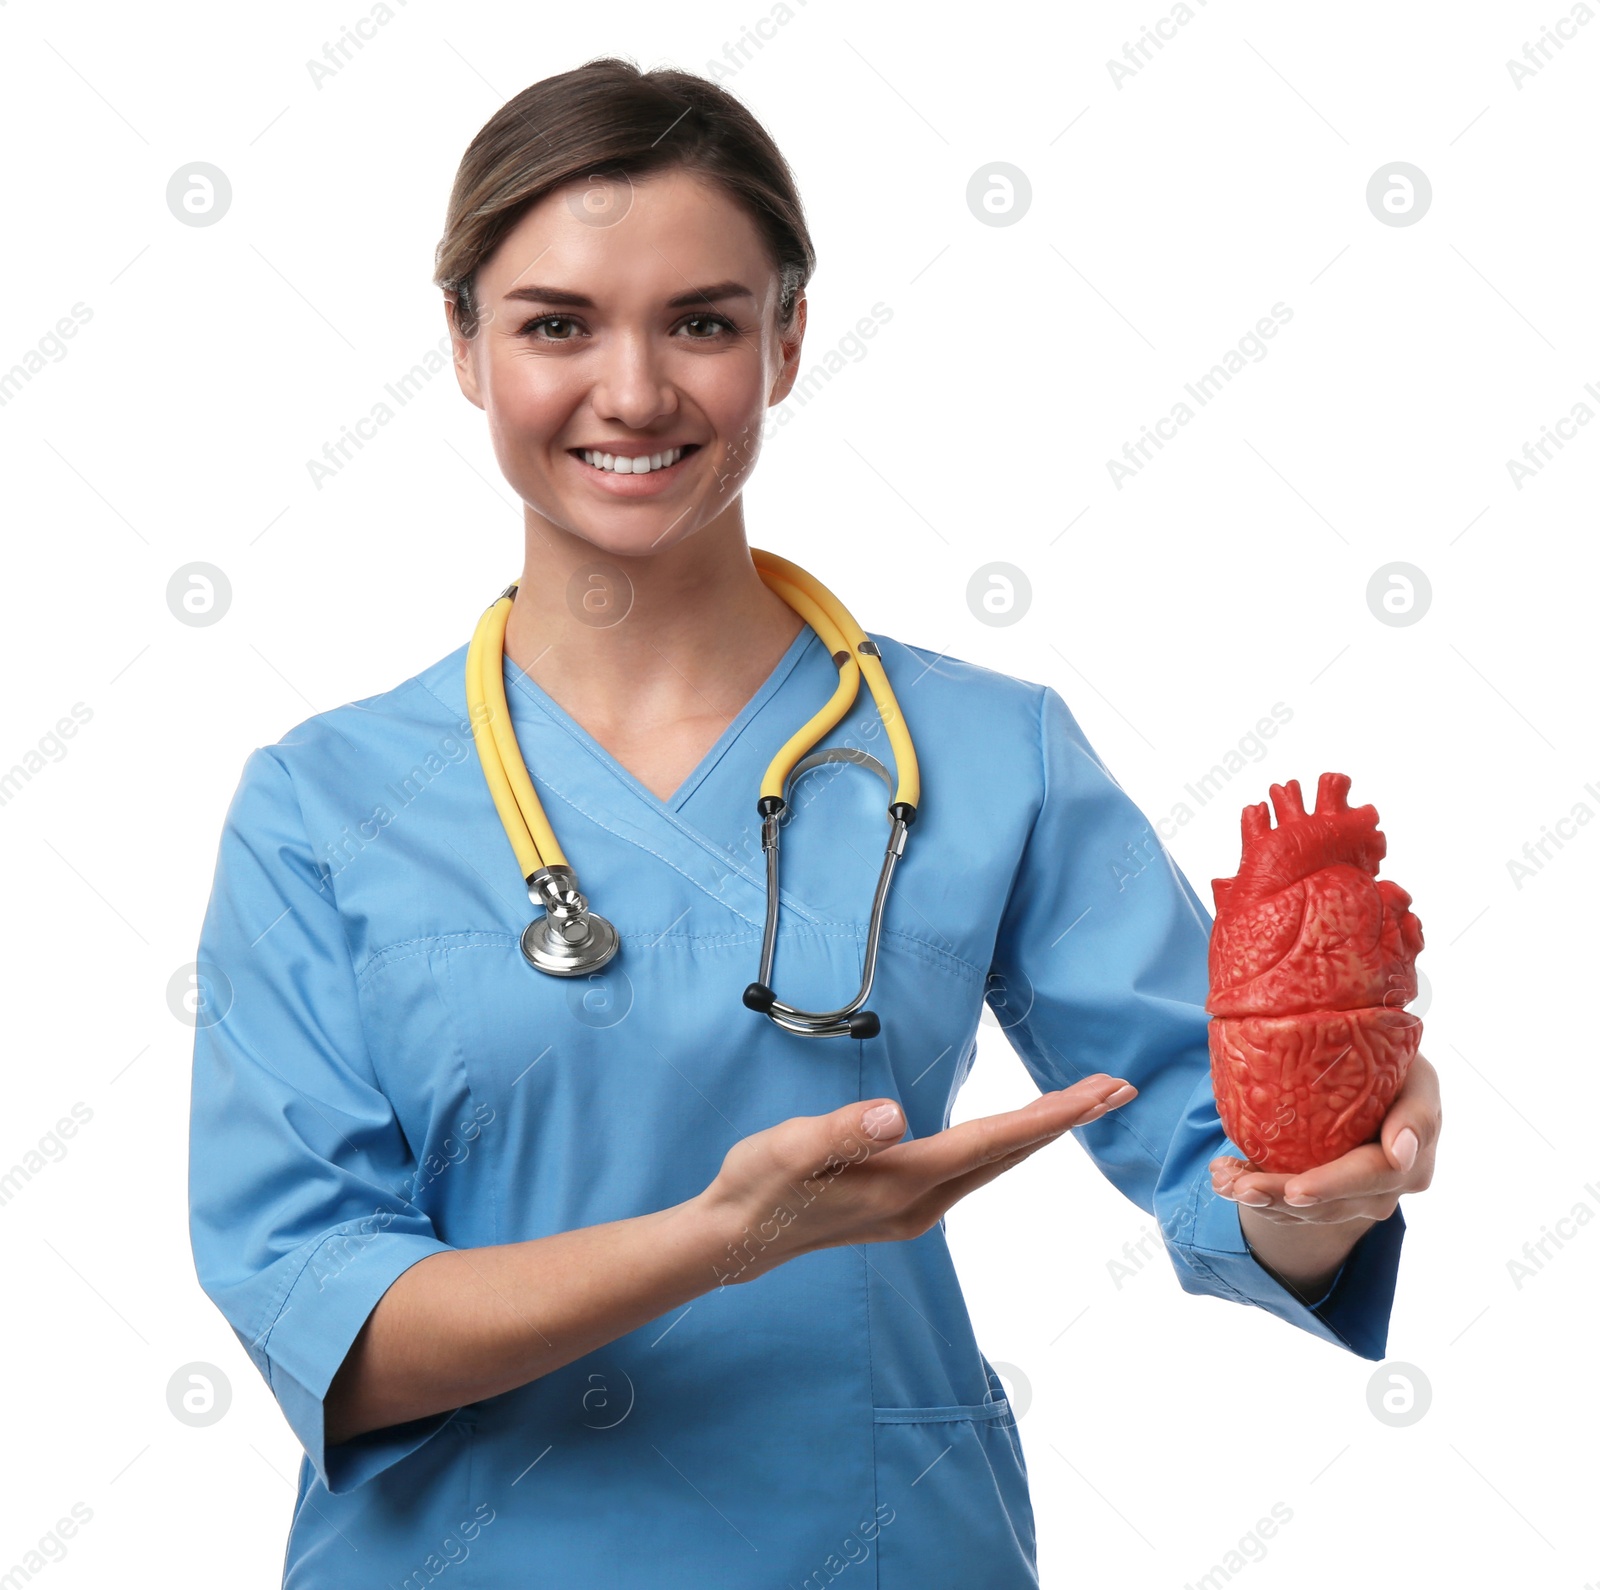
x=643, y=465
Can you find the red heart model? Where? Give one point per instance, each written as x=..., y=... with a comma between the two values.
x=1311, y=964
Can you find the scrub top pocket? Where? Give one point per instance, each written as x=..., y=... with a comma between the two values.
x=943, y=1475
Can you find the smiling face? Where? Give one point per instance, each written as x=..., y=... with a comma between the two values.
x=627, y=350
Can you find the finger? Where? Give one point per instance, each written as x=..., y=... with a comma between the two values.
x=1421, y=1085
x=1410, y=1130
x=823, y=1146
x=1365, y=1172
x=1227, y=1180
x=1406, y=1141
x=974, y=1144
x=942, y=1197
x=1400, y=1161
x=950, y=1190
x=1266, y=1195
x=857, y=1131
x=1333, y=1213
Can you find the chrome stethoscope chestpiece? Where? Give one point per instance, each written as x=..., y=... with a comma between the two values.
x=569, y=940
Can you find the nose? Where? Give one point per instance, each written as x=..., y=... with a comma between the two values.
x=632, y=387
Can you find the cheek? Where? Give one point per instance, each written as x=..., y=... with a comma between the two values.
x=528, y=399
x=735, y=405
x=730, y=389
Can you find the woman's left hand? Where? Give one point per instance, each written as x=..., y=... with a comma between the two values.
x=1364, y=1184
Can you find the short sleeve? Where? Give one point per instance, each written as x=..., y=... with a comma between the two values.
x=1101, y=965
x=298, y=1167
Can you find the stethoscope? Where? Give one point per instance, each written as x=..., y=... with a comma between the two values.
x=570, y=940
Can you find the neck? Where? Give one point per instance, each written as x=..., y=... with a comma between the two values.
x=625, y=641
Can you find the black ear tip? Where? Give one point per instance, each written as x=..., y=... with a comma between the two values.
x=759, y=997
x=864, y=1024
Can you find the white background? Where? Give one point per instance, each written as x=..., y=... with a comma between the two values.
x=1168, y=214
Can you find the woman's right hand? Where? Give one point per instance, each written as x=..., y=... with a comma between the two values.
x=820, y=1181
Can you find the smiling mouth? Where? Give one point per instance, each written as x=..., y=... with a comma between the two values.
x=644, y=464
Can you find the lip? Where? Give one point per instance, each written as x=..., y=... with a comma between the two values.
x=631, y=449
x=651, y=485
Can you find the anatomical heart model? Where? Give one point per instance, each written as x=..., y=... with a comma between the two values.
x=1312, y=961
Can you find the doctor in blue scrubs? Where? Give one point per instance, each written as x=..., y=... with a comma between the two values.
x=608, y=1278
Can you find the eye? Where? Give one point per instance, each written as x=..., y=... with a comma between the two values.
x=717, y=321
x=548, y=320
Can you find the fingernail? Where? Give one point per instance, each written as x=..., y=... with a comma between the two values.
x=1405, y=1148
x=882, y=1120
x=1253, y=1197
x=1298, y=1200
x=1122, y=1095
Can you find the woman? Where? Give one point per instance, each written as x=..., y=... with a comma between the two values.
x=610, y=1279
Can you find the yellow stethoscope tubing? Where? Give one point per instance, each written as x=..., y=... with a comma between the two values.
x=521, y=812
x=838, y=704
x=908, y=787
x=516, y=801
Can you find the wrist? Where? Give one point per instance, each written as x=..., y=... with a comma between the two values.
x=735, y=1246
x=711, y=1224
x=1303, y=1257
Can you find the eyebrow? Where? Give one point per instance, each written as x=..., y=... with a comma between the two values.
x=562, y=298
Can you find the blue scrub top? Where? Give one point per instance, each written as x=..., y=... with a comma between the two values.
x=379, y=1076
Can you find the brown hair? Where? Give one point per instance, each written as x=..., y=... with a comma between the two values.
x=607, y=118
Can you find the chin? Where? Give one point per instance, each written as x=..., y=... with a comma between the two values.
x=627, y=535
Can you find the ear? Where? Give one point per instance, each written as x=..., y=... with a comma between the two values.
x=790, y=342
x=464, y=352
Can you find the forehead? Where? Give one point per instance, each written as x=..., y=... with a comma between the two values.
x=646, y=237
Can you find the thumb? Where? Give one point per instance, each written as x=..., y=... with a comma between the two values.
x=858, y=1131
x=884, y=1122
x=1402, y=1148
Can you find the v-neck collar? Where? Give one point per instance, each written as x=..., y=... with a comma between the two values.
x=558, y=714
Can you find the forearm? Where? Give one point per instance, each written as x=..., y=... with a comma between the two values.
x=475, y=1322
x=1305, y=1256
